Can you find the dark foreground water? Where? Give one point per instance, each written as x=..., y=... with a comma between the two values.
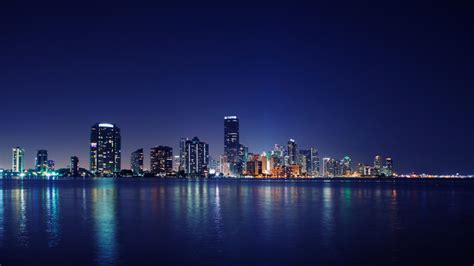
x=171, y=222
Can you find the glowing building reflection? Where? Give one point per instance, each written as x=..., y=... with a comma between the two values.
x=104, y=211
x=52, y=216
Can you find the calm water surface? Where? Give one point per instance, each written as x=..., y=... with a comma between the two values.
x=219, y=222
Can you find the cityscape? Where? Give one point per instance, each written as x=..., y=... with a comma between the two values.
x=194, y=160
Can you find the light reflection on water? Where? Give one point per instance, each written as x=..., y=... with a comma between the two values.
x=108, y=222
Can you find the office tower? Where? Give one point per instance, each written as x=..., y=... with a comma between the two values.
x=18, y=160
x=325, y=166
x=51, y=165
x=292, y=152
x=182, y=150
x=305, y=161
x=345, y=166
x=196, y=157
x=105, y=149
x=315, y=167
x=161, y=160
x=176, y=163
x=223, y=165
x=254, y=167
x=74, y=166
x=389, y=167
x=378, y=164
x=243, y=155
x=41, y=160
x=232, y=144
x=136, y=162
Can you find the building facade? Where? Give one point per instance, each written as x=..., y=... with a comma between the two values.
x=74, y=166
x=136, y=162
x=105, y=149
x=161, y=160
x=196, y=158
x=232, y=144
x=18, y=160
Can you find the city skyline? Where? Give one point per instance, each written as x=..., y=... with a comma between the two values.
x=350, y=83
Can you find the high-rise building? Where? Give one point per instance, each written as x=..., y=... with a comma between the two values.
x=161, y=160
x=51, y=165
x=176, y=163
x=346, y=167
x=232, y=144
x=378, y=164
x=196, y=156
x=136, y=162
x=18, y=160
x=389, y=167
x=223, y=165
x=182, y=151
x=292, y=152
x=74, y=166
x=105, y=149
x=315, y=167
x=41, y=161
x=305, y=161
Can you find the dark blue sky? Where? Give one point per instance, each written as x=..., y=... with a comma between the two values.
x=361, y=80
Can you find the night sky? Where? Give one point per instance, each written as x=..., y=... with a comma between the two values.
x=349, y=79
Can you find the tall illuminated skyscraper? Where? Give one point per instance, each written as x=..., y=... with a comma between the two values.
x=18, y=160
x=315, y=165
x=41, y=161
x=136, y=162
x=378, y=164
x=292, y=152
x=232, y=144
x=389, y=166
x=74, y=166
x=196, y=156
x=161, y=160
x=105, y=149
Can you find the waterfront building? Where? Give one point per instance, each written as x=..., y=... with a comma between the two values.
x=292, y=152
x=51, y=165
x=196, y=158
x=176, y=163
x=161, y=160
x=18, y=160
x=305, y=161
x=105, y=149
x=314, y=161
x=388, y=167
x=232, y=144
x=294, y=170
x=74, y=166
x=41, y=161
x=345, y=166
x=223, y=165
x=378, y=164
x=182, y=151
x=136, y=162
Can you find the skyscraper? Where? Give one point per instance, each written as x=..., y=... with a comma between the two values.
x=315, y=165
x=232, y=144
x=305, y=161
x=346, y=167
x=292, y=152
x=105, y=149
x=389, y=167
x=18, y=160
x=136, y=162
x=74, y=166
x=182, y=150
x=41, y=161
x=378, y=164
x=161, y=160
x=196, y=156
